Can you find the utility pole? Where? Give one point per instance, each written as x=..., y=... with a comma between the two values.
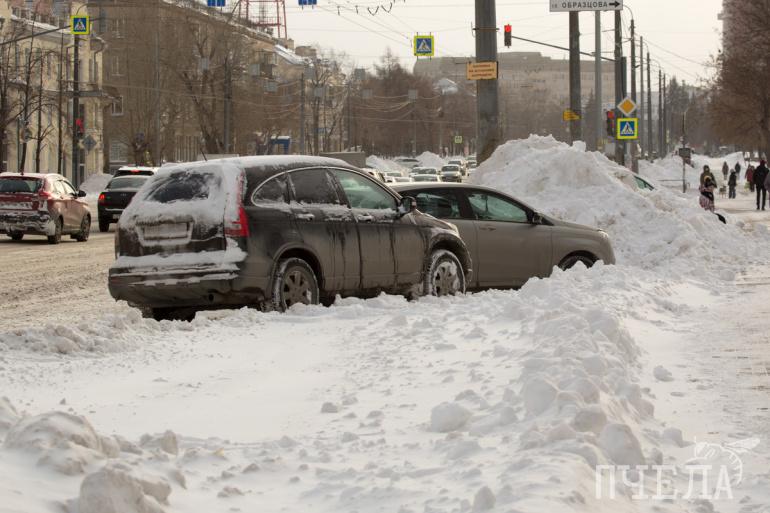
x=414, y=127
x=302, y=114
x=665, y=119
x=641, y=95
x=650, y=141
x=158, y=158
x=620, y=150
x=487, y=101
x=684, y=145
x=660, y=114
x=76, y=111
x=349, y=119
x=634, y=146
x=60, y=114
x=598, y=79
x=575, y=103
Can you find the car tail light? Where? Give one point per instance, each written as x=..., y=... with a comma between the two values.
x=44, y=195
x=238, y=227
x=101, y=198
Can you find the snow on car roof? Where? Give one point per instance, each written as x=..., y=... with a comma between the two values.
x=29, y=175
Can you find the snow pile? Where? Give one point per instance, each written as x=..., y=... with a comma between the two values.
x=428, y=159
x=649, y=229
x=111, y=333
x=382, y=164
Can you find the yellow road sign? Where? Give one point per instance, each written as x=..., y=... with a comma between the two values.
x=481, y=71
x=570, y=115
x=627, y=106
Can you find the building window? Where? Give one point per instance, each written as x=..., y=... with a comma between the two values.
x=119, y=28
x=117, y=106
x=116, y=66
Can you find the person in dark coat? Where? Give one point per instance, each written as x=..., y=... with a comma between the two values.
x=738, y=169
x=725, y=170
x=760, y=175
x=732, y=182
x=707, y=194
x=707, y=172
x=750, y=177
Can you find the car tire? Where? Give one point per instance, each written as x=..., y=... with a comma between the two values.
x=104, y=225
x=85, y=229
x=571, y=261
x=294, y=282
x=56, y=237
x=16, y=235
x=445, y=276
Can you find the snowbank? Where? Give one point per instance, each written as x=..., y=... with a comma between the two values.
x=429, y=159
x=383, y=164
x=649, y=229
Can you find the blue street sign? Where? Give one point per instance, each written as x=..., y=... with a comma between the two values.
x=80, y=26
x=424, y=46
x=628, y=128
x=215, y=3
x=308, y=2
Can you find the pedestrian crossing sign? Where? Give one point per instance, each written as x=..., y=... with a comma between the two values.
x=628, y=128
x=80, y=25
x=424, y=46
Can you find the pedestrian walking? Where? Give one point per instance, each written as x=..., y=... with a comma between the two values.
x=707, y=194
x=750, y=177
x=738, y=169
x=707, y=173
x=725, y=170
x=732, y=182
x=760, y=177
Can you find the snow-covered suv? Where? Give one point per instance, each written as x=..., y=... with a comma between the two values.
x=275, y=231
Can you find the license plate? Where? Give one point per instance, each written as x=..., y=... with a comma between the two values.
x=166, y=231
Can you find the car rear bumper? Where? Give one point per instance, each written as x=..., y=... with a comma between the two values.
x=201, y=287
x=112, y=214
x=34, y=222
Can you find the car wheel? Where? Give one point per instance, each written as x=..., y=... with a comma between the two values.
x=572, y=261
x=104, y=225
x=16, y=235
x=294, y=282
x=445, y=276
x=56, y=237
x=85, y=229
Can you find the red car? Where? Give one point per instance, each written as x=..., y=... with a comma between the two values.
x=42, y=204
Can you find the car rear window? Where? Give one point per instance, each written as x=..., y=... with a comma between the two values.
x=20, y=185
x=183, y=186
x=127, y=182
x=134, y=172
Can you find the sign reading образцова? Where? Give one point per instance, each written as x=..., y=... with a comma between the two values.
x=586, y=5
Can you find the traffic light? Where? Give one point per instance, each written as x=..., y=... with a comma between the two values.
x=611, y=123
x=507, y=36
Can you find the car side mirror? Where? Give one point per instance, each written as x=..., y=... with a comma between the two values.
x=408, y=204
x=82, y=194
x=537, y=218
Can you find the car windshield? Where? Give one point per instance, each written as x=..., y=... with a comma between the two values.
x=425, y=178
x=127, y=182
x=449, y=169
x=20, y=185
x=183, y=186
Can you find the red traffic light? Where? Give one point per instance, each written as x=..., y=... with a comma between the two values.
x=507, y=29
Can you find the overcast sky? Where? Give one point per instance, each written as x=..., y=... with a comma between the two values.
x=688, y=28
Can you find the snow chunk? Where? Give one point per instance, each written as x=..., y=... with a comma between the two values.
x=114, y=489
x=447, y=417
x=538, y=394
x=66, y=442
x=620, y=445
x=662, y=374
x=484, y=500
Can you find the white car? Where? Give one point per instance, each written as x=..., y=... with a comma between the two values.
x=424, y=171
x=407, y=162
x=461, y=163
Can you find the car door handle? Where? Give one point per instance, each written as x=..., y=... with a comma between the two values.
x=305, y=216
x=365, y=218
x=336, y=219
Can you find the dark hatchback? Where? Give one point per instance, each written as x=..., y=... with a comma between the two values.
x=274, y=231
x=116, y=197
